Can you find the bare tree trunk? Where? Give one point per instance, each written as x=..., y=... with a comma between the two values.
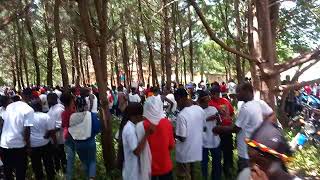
x=81, y=64
x=116, y=65
x=22, y=54
x=139, y=51
x=167, y=41
x=91, y=37
x=162, y=57
x=50, y=49
x=190, y=45
x=34, y=48
x=182, y=50
x=125, y=53
x=74, y=47
x=239, y=71
x=73, y=67
x=174, y=34
x=16, y=58
x=87, y=66
x=63, y=65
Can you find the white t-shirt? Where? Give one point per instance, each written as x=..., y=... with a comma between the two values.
x=131, y=161
x=134, y=98
x=249, y=119
x=44, y=102
x=56, y=119
x=94, y=104
x=17, y=116
x=232, y=87
x=171, y=98
x=210, y=140
x=41, y=124
x=189, y=124
x=58, y=93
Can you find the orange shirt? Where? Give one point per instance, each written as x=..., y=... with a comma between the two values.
x=222, y=104
x=161, y=142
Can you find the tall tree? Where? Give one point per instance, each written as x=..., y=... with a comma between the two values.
x=46, y=16
x=167, y=41
x=34, y=47
x=139, y=51
x=92, y=38
x=190, y=44
x=22, y=57
x=63, y=65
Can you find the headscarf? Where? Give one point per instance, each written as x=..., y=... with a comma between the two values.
x=153, y=110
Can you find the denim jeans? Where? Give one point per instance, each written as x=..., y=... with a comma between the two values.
x=70, y=152
x=216, y=163
x=86, y=151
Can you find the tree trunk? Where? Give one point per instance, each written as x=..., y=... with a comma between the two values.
x=174, y=34
x=87, y=66
x=49, y=42
x=22, y=52
x=74, y=47
x=16, y=58
x=34, y=48
x=239, y=70
x=73, y=66
x=116, y=64
x=190, y=45
x=139, y=50
x=167, y=41
x=63, y=65
x=182, y=51
x=162, y=57
x=91, y=37
x=101, y=8
x=125, y=53
x=81, y=64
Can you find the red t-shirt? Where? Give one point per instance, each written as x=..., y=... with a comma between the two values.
x=220, y=104
x=161, y=142
x=65, y=115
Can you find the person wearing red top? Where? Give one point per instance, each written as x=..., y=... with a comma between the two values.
x=68, y=101
x=161, y=142
x=226, y=112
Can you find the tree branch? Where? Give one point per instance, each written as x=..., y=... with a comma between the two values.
x=214, y=37
x=297, y=61
x=17, y=14
x=298, y=85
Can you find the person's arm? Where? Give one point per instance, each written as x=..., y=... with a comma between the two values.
x=171, y=137
x=169, y=101
x=143, y=141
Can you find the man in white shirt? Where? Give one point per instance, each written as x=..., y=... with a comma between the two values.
x=211, y=142
x=131, y=146
x=189, y=128
x=133, y=96
x=250, y=117
x=54, y=113
x=44, y=101
x=15, y=138
x=40, y=143
x=91, y=99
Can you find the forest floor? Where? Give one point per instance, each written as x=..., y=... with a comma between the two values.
x=305, y=165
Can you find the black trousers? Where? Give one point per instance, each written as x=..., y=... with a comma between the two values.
x=15, y=160
x=39, y=155
x=59, y=156
x=167, y=176
x=227, y=152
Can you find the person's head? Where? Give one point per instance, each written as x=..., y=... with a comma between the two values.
x=180, y=86
x=120, y=88
x=156, y=91
x=181, y=96
x=43, y=90
x=26, y=94
x=4, y=101
x=223, y=83
x=268, y=148
x=153, y=110
x=84, y=92
x=52, y=99
x=15, y=98
x=215, y=92
x=245, y=92
x=166, y=91
x=134, y=112
x=36, y=104
x=67, y=99
x=114, y=88
x=133, y=90
x=81, y=104
x=203, y=98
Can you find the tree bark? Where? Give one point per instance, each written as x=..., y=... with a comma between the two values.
x=87, y=66
x=174, y=34
x=182, y=50
x=167, y=41
x=49, y=42
x=63, y=65
x=16, y=58
x=81, y=64
x=22, y=52
x=91, y=37
x=162, y=57
x=74, y=47
x=139, y=51
x=116, y=64
x=239, y=71
x=190, y=45
x=125, y=53
x=34, y=48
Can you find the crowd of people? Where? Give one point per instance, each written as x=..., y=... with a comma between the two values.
x=197, y=122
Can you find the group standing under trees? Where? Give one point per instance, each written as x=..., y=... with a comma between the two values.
x=117, y=38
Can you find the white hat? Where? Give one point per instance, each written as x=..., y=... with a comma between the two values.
x=153, y=110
